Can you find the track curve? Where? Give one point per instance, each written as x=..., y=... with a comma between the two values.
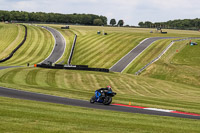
x=59, y=47
x=134, y=53
x=5, y=92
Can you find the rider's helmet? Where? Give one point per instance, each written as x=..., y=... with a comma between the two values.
x=109, y=88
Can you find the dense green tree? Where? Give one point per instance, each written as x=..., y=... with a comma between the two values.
x=113, y=22
x=148, y=24
x=120, y=23
x=104, y=19
x=98, y=22
x=141, y=24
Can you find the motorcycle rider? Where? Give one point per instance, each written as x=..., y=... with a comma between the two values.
x=102, y=92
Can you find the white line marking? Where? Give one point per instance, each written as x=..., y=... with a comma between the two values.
x=161, y=110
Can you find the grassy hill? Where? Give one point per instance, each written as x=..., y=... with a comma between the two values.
x=170, y=83
x=104, y=51
x=182, y=66
x=36, y=48
x=10, y=37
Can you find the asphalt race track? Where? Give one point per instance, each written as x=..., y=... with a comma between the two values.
x=59, y=47
x=127, y=59
x=5, y=92
x=5, y=67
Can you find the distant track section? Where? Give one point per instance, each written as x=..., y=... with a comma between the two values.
x=5, y=67
x=134, y=53
x=163, y=52
x=15, y=50
x=59, y=47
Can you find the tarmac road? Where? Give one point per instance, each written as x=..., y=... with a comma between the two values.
x=59, y=47
x=127, y=59
x=5, y=67
x=5, y=92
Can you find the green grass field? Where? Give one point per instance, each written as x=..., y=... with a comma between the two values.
x=33, y=117
x=36, y=48
x=170, y=83
x=10, y=37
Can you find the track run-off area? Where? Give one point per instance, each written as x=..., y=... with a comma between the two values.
x=122, y=64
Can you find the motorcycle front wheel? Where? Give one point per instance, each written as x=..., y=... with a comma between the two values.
x=107, y=100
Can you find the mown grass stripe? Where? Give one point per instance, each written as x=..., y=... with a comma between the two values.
x=31, y=77
x=35, y=48
x=50, y=79
x=113, y=52
x=9, y=76
x=92, y=52
x=24, y=49
x=108, y=51
x=84, y=47
x=92, y=42
x=41, y=77
x=7, y=49
x=8, y=33
x=30, y=52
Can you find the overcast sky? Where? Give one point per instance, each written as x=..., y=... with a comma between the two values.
x=131, y=11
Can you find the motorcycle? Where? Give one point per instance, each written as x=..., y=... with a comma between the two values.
x=106, y=99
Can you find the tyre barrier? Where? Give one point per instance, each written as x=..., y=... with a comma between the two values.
x=72, y=67
x=12, y=53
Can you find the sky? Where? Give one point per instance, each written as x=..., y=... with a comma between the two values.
x=131, y=11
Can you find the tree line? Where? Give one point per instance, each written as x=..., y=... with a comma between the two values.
x=185, y=24
x=84, y=19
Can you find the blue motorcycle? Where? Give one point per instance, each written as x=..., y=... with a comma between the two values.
x=103, y=96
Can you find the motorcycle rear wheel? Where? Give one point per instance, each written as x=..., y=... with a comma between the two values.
x=92, y=100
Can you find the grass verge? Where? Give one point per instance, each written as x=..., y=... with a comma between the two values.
x=31, y=116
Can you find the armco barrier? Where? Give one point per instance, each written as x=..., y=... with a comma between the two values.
x=78, y=67
x=82, y=66
x=12, y=53
x=72, y=50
